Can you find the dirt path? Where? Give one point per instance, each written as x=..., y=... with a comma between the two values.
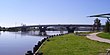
x=96, y=38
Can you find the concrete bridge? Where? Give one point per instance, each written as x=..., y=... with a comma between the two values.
x=42, y=28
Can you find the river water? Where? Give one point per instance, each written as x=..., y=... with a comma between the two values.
x=18, y=43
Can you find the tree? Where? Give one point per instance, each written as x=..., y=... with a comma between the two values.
x=107, y=26
x=96, y=25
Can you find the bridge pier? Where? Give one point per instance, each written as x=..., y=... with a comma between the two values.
x=24, y=29
x=42, y=30
x=70, y=29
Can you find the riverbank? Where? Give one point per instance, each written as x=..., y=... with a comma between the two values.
x=71, y=44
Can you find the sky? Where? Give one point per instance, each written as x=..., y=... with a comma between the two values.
x=34, y=12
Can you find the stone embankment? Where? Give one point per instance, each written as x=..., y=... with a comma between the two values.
x=37, y=47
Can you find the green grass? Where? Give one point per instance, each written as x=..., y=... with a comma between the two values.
x=104, y=35
x=72, y=45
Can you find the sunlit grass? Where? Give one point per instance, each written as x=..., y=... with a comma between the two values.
x=104, y=35
x=72, y=45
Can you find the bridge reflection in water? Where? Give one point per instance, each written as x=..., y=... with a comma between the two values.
x=36, y=33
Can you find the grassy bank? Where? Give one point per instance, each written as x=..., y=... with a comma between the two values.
x=72, y=45
x=104, y=35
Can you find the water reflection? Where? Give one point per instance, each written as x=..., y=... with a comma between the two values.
x=37, y=33
x=0, y=32
x=17, y=43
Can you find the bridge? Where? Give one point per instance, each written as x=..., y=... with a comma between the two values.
x=42, y=28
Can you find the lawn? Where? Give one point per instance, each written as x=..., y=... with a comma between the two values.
x=104, y=35
x=71, y=44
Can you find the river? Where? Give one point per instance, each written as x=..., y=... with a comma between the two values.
x=18, y=43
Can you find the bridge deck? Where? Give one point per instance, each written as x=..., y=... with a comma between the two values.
x=75, y=25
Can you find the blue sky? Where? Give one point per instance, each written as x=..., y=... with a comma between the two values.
x=30, y=12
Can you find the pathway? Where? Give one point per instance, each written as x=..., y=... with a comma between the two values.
x=96, y=38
